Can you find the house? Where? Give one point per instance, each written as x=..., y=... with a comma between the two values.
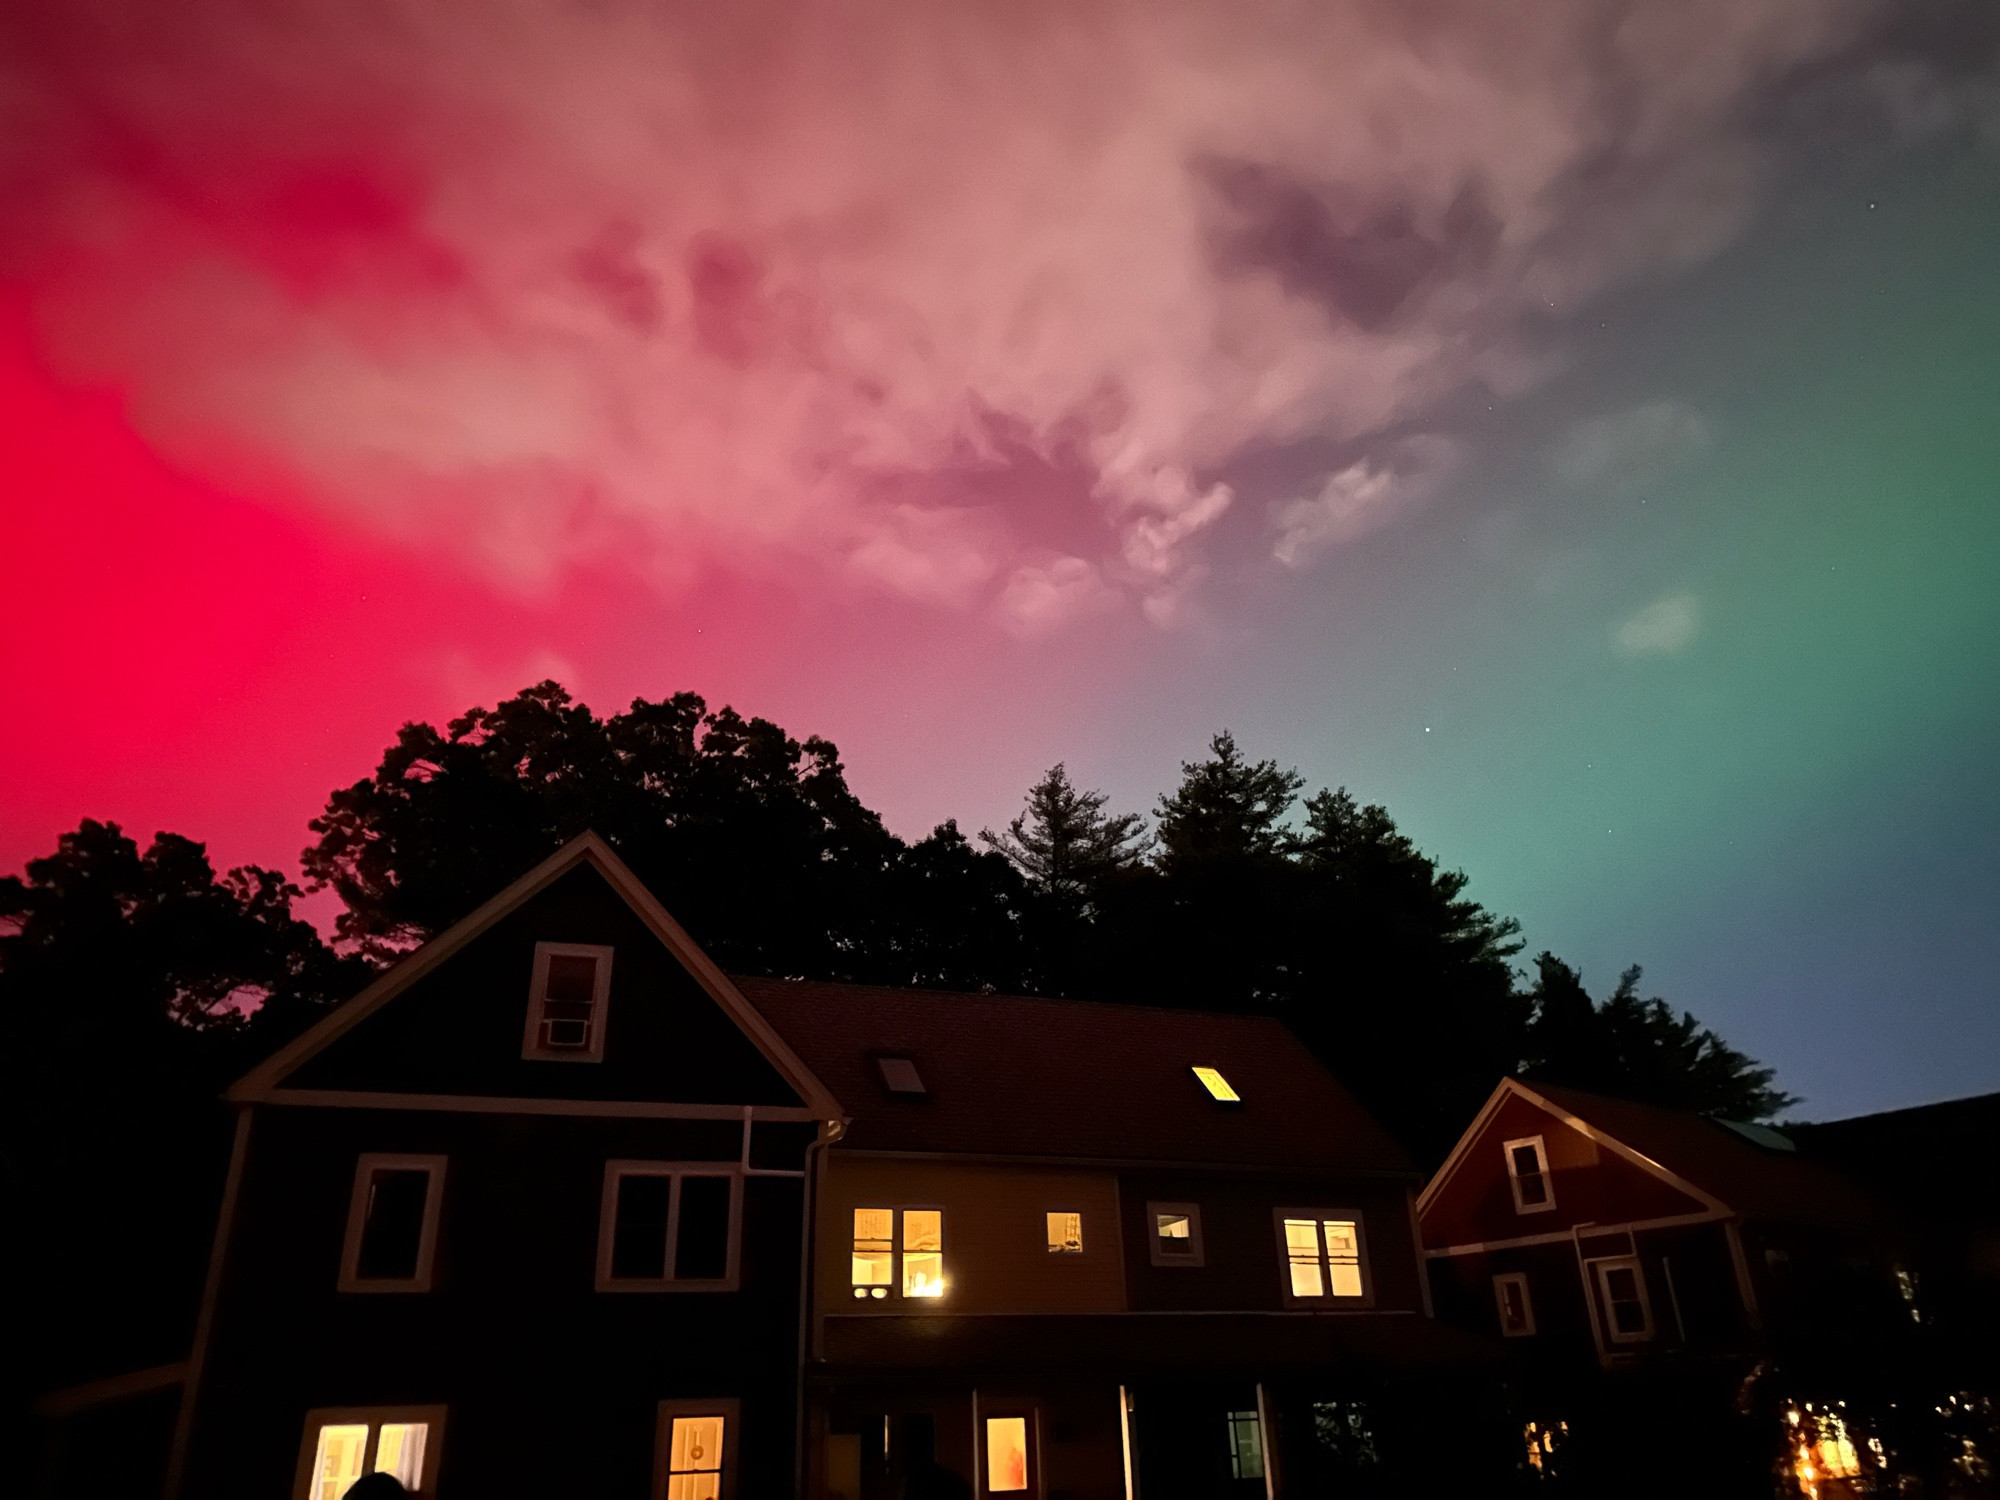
x=1089, y=1250
x=555, y=1206
x=1640, y=1260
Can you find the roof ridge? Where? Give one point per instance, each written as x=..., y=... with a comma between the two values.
x=929, y=991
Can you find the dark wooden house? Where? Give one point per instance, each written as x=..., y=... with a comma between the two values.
x=557, y=1207
x=523, y=1218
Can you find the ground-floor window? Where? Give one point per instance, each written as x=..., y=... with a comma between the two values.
x=1010, y=1455
x=342, y=1444
x=1246, y=1445
x=695, y=1455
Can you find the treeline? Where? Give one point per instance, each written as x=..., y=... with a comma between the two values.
x=137, y=982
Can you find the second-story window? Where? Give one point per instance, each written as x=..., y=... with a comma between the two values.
x=898, y=1249
x=1065, y=1233
x=568, y=993
x=392, y=1220
x=1325, y=1261
x=667, y=1227
x=1176, y=1233
x=1528, y=1175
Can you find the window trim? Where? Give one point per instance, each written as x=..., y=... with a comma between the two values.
x=726, y=1407
x=318, y=1417
x=1541, y=1151
x=1030, y=1412
x=1327, y=1302
x=619, y=1168
x=893, y=1289
x=600, y=1003
x=1501, y=1280
x=1177, y=1262
x=1598, y=1267
x=368, y=1163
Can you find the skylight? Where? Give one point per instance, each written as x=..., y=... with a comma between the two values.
x=900, y=1076
x=1217, y=1086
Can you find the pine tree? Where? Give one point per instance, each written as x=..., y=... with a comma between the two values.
x=1064, y=841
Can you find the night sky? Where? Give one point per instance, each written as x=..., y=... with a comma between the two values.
x=1575, y=426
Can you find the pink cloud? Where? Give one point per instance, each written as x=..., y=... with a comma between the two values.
x=554, y=288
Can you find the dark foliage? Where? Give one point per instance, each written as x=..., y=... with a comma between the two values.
x=1639, y=1049
x=752, y=839
x=137, y=984
x=134, y=987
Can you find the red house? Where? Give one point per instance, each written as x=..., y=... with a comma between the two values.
x=1621, y=1248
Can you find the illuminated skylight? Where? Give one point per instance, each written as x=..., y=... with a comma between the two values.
x=1217, y=1086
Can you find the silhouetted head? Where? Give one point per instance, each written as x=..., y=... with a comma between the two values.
x=376, y=1486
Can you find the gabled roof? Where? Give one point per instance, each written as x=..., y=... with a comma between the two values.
x=267, y=1080
x=1006, y=1075
x=1693, y=1153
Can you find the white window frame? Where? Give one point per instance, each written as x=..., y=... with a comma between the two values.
x=1541, y=1150
x=726, y=1407
x=1328, y=1301
x=893, y=1291
x=1501, y=1282
x=532, y=1049
x=369, y=1163
x=1154, y=1211
x=617, y=1171
x=1598, y=1270
x=375, y=1416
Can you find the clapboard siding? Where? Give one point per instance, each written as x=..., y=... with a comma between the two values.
x=995, y=1240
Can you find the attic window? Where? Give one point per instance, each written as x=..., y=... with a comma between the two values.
x=900, y=1076
x=567, y=997
x=1217, y=1086
x=1528, y=1175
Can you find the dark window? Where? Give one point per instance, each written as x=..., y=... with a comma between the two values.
x=1628, y=1309
x=392, y=1228
x=639, y=1232
x=1531, y=1182
x=900, y=1075
x=701, y=1239
x=569, y=1001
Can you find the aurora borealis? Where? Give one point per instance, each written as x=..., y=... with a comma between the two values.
x=1580, y=433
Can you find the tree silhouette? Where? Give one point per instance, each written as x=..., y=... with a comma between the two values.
x=134, y=987
x=1064, y=841
x=1639, y=1049
x=750, y=837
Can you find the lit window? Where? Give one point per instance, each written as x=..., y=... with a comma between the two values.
x=1246, y=1446
x=1528, y=1175
x=923, y=1252
x=694, y=1463
x=1176, y=1233
x=666, y=1228
x=1217, y=1086
x=392, y=1220
x=341, y=1446
x=567, y=997
x=1006, y=1454
x=1621, y=1293
x=1065, y=1234
x=1322, y=1256
x=696, y=1454
x=899, y=1075
x=877, y=1248
x=1517, y=1311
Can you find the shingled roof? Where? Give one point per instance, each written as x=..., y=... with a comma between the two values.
x=1005, y=1075
x=1755, y=1181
